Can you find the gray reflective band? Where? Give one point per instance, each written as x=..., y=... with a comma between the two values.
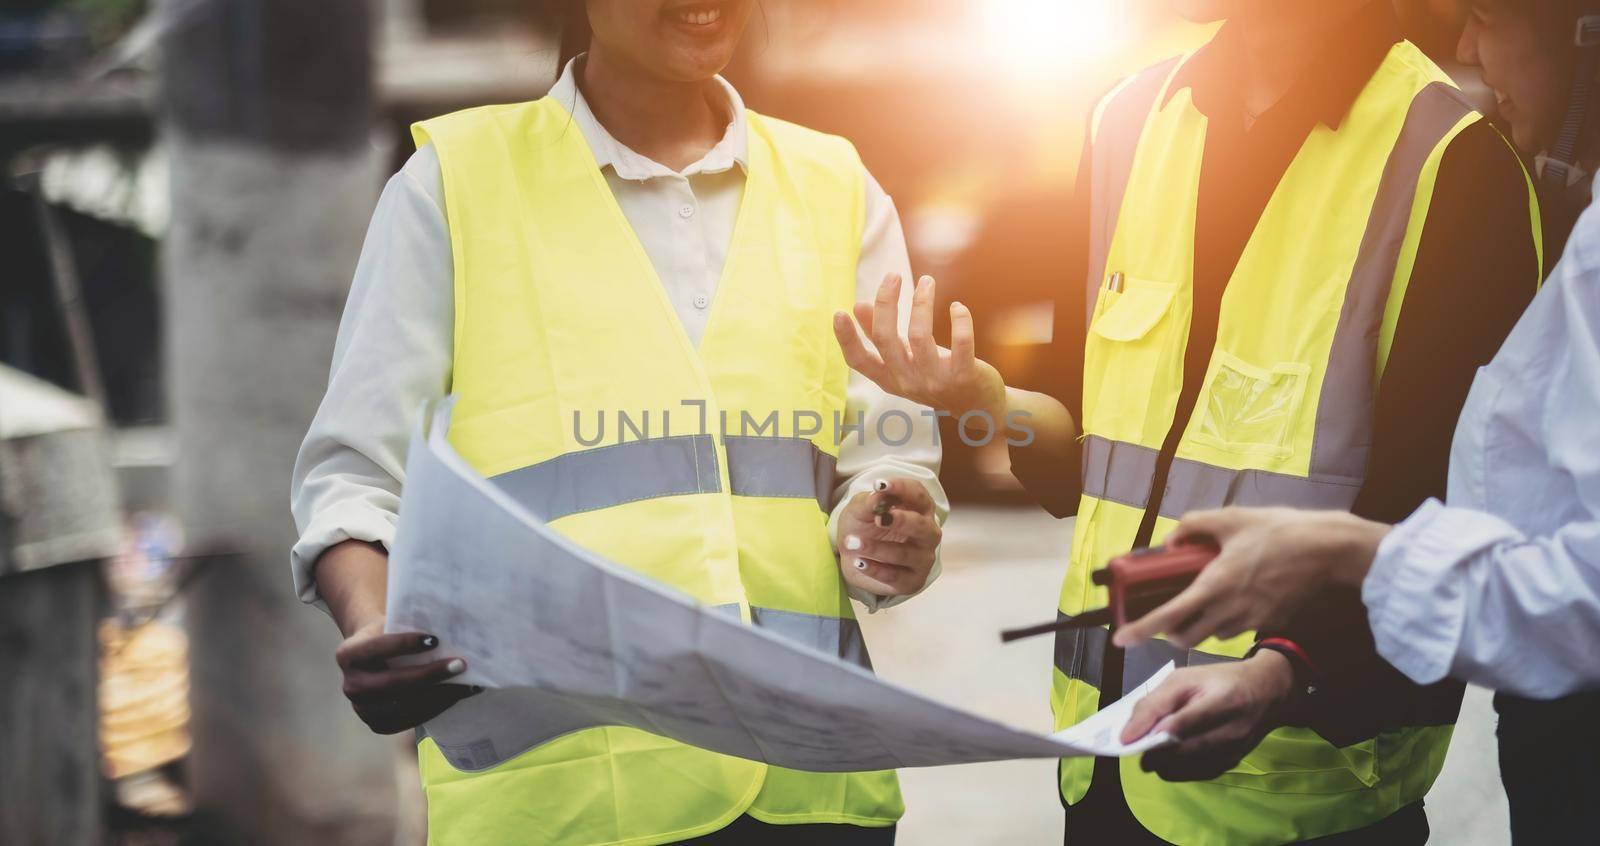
x=1122, y=472
x=598, y=478
x=1111, y=162
x=1118, y=471
x=780, y=467
x=1349, y=390
x=1143, y=661
x=830, y=635
x=602, y=477
x=1081, y=653
x=1193, y=485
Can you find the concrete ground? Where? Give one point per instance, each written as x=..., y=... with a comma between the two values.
x=1003, y=567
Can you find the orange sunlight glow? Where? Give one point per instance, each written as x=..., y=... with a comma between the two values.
x=1043, y=35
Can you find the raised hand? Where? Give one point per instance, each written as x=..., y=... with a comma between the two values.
x=914, y=367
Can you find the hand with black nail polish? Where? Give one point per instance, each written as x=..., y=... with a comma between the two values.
x=888, y=537
x=389, y=699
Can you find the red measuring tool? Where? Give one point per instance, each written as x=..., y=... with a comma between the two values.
x=1138, y=582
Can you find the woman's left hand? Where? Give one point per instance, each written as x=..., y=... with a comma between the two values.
x=888, y=537
x=1272, y=562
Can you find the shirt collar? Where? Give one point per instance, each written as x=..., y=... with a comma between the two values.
x=1324, y=92
x=732, y=150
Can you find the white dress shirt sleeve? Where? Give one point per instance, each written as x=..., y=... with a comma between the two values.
x=1468, y=594
x=869, y=457
x=1464, y=594
x=393, y=352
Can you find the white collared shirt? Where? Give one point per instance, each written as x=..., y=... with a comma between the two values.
x=1501, y=587
x=396, y=336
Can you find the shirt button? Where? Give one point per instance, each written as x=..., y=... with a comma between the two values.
x=686, y=212
x=701, y=301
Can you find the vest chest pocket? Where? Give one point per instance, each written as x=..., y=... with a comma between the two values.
x=1126, y=356
x=1127, y=308
x=1248, y=409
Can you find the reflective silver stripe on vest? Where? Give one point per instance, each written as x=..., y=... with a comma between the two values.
x=1081, y=653
x=780, y=467
x=602, y=477
x=1121, y=472
x=1194, y=485
x=1111, y=162
x=1350, y=388
x=834, y=636
x=1142, y=661
x=1118, y=471
x=591, y=479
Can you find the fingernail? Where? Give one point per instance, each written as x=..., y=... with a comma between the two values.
x=860, y=564
x=852, y=542
x=881, y=484
x=456, y=667
x=429, y=641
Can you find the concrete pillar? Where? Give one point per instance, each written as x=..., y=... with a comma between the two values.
x=268, y=111
x=58, y=518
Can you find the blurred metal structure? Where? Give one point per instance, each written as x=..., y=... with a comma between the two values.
x=58, y=518
x=268, y=108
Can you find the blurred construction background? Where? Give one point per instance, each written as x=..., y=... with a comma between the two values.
x=186, y=186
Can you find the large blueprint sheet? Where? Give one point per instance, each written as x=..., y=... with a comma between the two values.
x=565, y=639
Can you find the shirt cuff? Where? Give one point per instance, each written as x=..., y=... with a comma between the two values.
x=1414, y=611
x=863, y=483
x=345, y=521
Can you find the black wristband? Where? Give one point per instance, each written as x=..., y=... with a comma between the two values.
x=1297, y=708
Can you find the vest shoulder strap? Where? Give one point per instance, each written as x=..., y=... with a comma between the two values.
x=800, y=143
x=455, y=129
x=1114, y=129
x=827, y=164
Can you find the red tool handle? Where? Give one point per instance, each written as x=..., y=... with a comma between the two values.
x=1142, y=580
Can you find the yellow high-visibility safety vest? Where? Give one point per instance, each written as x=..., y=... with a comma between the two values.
x=1283, y=417
x=562, y=323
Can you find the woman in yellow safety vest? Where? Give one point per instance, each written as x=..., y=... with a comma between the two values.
x=574, y=270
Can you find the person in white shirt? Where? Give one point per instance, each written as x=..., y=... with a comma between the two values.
x=1500, y=584
x=670, y=138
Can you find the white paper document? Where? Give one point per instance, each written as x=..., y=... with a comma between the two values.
x=564, y=640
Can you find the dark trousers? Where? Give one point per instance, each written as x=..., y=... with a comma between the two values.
x=1550, y=764
x=1104, y=817
x=748, y=830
